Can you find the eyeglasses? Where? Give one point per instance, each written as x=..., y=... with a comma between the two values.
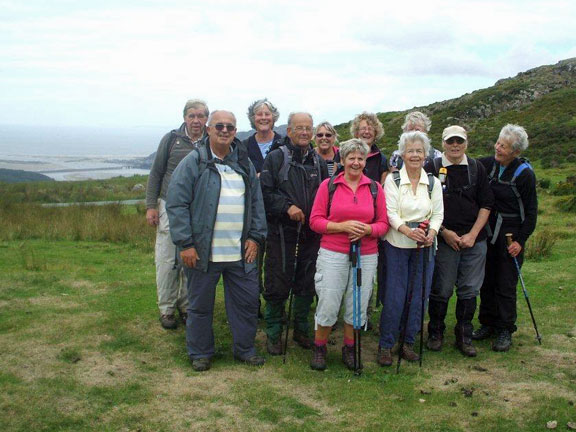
x=366, y=129
x=322, y=135
x=457, y=140
x=221, y=126
x=196, y=116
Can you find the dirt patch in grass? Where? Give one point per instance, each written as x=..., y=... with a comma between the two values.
x=96, y=369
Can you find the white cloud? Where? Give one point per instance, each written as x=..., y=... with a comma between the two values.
x=135, y=63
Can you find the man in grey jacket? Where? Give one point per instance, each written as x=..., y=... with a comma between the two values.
x=217, y=221
x=170, y=283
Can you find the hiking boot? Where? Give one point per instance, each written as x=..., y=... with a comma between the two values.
x=168, y=321
x=318, y=361
x=503, y=341
x=465, y=347
x=274, y=347
x=484, y=332
x=302, y=339
x=254, y=360
x=435, y=342
x=201, y=364
x=385, y=357
x=408, y=353
x=183, y=317
x=348, y=357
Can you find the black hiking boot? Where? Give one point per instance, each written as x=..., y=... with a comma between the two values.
x=435, y=341
x=503, y=341
x=318, y=361
x=484, y=332
x=201, y=364
x=302, y=339
x=168, y=321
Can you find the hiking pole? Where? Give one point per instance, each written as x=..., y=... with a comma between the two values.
x=291, y=297
x=509, y=242
x=425, y=226
x=357, y=305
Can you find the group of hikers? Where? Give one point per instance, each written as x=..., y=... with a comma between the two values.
x=303, y=217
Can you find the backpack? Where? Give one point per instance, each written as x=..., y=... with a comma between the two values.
x=431, y=179
x=287, y=163
x=332, y=189
x=524, y=164
x=472, y=175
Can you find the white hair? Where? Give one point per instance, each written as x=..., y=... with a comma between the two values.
x=413, y=136
x=518, y=136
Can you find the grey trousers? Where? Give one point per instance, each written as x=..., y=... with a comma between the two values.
x=463, y=269
x=241, y=294
x=170, y=278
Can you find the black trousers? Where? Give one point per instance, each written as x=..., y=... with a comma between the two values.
x=498, y=292
x=279, y=263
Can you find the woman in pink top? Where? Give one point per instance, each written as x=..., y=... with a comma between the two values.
x=352, y=215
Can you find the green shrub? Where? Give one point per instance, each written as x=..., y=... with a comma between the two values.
x=540, y=245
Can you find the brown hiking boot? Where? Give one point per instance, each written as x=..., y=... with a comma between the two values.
x=318, y=361
x=302, y=339
x=274, y=347
x=435, y=342
x=466, y=347
x=348, y=357
x=168, y=321
x=385, y=357
x=408, y=353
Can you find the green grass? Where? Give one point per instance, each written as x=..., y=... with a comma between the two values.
x=82, y=348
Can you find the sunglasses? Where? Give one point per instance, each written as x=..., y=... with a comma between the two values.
x=322, y=135
x=221, y=126
x=452, y=140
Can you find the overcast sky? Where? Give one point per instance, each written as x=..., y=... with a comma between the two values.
x=111, y=63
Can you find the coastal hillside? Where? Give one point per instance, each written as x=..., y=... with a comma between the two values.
x=543, y=100
x=17, y=176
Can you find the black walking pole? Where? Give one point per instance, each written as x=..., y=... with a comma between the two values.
x=357, y=305
x=291, y=297
x=509, y=242
x=425, y=255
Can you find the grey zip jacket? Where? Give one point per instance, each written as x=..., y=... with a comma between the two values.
x=193, y=196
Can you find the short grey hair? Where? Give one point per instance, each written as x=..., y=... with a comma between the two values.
x=292, y=114
x=518, y=136
x=413, y=136
x=328, y=126
x=196, y=104
x=256, y=105
x=416, y=118
x=351, y=146
x=209, y=122
x=372, y=120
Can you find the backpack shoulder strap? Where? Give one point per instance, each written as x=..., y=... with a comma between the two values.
x=374, y=192
x=437, y=165
x=331, y=190
x=285, y=163
x=524, y=165
x=472, y=171
x=430, y=184
x=396, y=177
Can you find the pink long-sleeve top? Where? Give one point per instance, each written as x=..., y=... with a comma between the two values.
x=347, y=205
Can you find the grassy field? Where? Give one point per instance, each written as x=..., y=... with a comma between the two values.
x=82, y=348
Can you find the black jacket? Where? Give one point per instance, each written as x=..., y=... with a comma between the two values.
x=506, y=201
x=254, y=152
x=303, y=178
x=463, y=201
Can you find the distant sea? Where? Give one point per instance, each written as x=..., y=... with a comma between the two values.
x=74, y=153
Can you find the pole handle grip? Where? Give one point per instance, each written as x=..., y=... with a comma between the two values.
x=509, y=239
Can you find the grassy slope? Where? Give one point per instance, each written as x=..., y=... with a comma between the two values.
x=82, y=348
